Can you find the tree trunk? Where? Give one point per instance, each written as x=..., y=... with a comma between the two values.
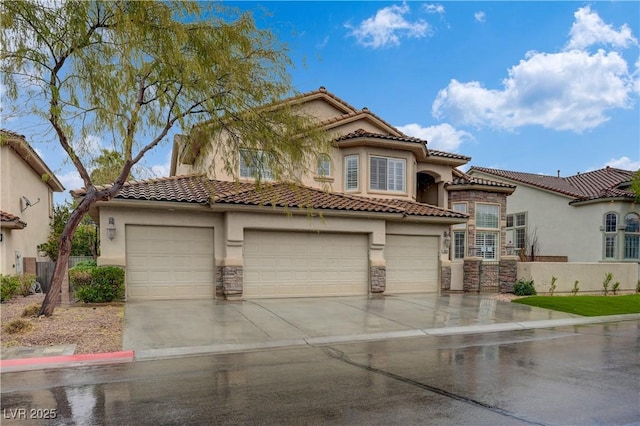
x=64, y=251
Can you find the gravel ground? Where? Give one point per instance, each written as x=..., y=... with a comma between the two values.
x=94, y=328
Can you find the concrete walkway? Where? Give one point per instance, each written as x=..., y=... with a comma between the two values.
x=176, y=328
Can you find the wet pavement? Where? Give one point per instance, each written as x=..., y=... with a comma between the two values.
x=570, y=375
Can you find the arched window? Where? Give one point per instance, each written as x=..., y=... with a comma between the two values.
x=610, y=230
x=324, y=165
x=632, y=236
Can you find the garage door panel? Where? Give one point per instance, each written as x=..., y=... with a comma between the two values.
x=289, y=264
x=412, y=263
x=165, y=262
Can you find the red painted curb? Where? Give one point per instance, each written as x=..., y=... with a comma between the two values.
x=105, y=357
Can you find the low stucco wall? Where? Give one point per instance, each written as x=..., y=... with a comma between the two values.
x=589, y=275
x=457, y=276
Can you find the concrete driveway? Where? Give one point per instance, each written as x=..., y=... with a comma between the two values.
x=160, y=328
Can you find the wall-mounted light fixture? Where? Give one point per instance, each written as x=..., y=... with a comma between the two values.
x=447, y=239
x=111, y=228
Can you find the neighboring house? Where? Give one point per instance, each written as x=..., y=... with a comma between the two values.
x=26, y=203
x=373, y=217
x=588, y=217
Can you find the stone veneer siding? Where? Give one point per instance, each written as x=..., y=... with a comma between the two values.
x=471, y=280
x=508, y=273
x=378, y=278
x=231, y=280
x=445, y=278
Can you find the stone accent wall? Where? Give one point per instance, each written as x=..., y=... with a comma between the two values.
x=471, y=280
x=218, y=282
x=445, y=277
x=232, y=280
x=489, y=277
x=378, y=279
x=508, y=273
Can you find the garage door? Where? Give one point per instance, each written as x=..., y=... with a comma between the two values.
x=300, y=264
x=169, y=262
x=412, y=264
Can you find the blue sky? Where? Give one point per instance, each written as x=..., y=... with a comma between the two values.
x=528, y=86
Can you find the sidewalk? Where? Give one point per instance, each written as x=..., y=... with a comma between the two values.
x=181, y=328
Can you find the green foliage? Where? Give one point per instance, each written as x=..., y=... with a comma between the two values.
x=575, y=289
x=615, y=287
x=605, y=283
x=100, y=284
x=9, y=285
x=635, y=188
x=552, y=287
x=107, y=167
x=587, y=305
x=638, y=287
x=18, y=326
x=26, y=284
x=524, y=288
x=84, y=240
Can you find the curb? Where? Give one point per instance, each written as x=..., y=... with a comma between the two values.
x=24, y=364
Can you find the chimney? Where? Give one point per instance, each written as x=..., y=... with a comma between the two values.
x=558, y=173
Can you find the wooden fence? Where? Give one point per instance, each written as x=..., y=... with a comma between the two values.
x=44, y=270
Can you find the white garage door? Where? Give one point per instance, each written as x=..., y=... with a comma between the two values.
x=412, y=264
x=300, y=264
x=169, y=262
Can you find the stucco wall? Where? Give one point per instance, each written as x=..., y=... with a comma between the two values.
x=18, y=180
x=589, y=275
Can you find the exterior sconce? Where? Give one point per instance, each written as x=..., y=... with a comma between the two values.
x=447, y=239
x=509, y=248
x=111, y=228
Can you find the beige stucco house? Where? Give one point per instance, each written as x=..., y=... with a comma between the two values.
x=587, y=217
x=374, y=216
x=26, y=203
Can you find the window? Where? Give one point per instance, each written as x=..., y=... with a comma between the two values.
x=324, y=165
x=351, y=172
x=387, y=174
x=632, y=236
x=460, y=208
x=487, y=225
x=610, y=234
x=255, y=164
x=517, y=223
x=458, y=244
x=487, y=215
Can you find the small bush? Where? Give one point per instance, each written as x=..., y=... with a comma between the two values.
x=524, y=288
x=8, y=286
x=615, y=288
x=81, y=274
x=106, y=285
x=18, y=326
x=26, y=284
x=552, y=288
x=638, y=287
x=605, y=284
x=576, y=289
x=31, y=311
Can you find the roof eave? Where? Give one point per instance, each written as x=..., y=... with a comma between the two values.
x=479, y=187
x=418, y=149
x=602, y=200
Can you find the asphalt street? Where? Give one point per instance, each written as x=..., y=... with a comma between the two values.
x=577, y=375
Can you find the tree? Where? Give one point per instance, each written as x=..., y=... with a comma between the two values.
x=635, y=184
x=107, y=167
x=134, y=71
x=84, y=241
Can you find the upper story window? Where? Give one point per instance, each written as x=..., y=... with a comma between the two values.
x=324, y=165
x=632, y=236
x=610, y=235
x=351, y=172
x=387, y=174
x=255, y=164
x=518, y=224
x=460, y=208
x=487, y=228
x=487, y=215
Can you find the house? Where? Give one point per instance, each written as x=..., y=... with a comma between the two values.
x=587, y=217
x=26, y=203
x=374, y=217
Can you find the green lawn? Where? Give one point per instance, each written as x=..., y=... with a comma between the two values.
x=589, y=306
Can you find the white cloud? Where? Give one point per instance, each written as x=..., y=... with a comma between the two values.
x=434, y=8
x=569, y=90
x=480, y=16
x=387, y=27
x=88, y=147
x=71, y=180
x=589, y=29
x=624, y=163
x=443, y=136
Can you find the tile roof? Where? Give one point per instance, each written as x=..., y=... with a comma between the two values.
x=361, y=133
x=437, y=153
x=462, y=179
x=201, y=190
x=12, y=220
x=601, y=183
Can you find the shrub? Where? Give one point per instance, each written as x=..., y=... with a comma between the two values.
x=18, y=326
x=106, y=285
x=8, y=286
x=576, y=289
x=552, y=288
x=81, y=274
x=638, y=287
x=615, y=288
x=26, y=284
x=524, y=288
x=31, y=311
x=605, y=284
